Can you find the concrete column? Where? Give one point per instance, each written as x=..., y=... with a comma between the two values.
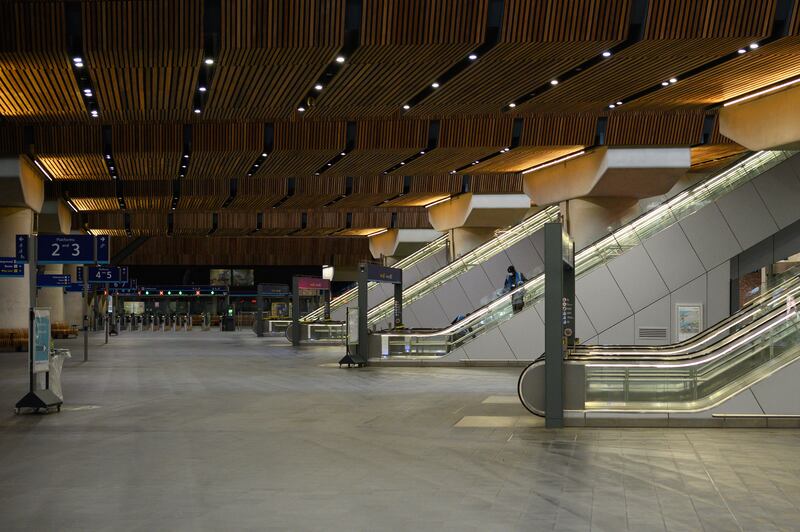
x=464, y=239
x=14, y=291
x=73, y=301
x=52, y=298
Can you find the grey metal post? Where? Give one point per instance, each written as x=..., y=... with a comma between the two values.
x=363, y=308
x=553, y=329
x=326, y=315
x=259, y=313
x=108, y=303
x=398, y=305
x=33, y=272
x=295, y=311
x=85, y=312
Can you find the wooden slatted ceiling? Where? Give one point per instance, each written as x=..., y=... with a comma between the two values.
x=141, y=67
x=679, y=35
x=271, y=53
x=382, y=144
x=247, y=251
x=636, y=128
x=540, y=40
x=224, y=150
x=36, y=80
x=756, y=69
x=256, y=193
x=713, y=155
x=236, y=223
x=147, y=151
x=203, y=194
x=71, y=152
x=301, y=148
x=315, y=192
x=405, y=45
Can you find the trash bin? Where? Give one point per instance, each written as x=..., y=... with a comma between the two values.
x=57, y=358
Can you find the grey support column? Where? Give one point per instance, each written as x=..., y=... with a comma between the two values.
x=553, y=335
x=85, y=312
x=295, y=311
x=363, y=308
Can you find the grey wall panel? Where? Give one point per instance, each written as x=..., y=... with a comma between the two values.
x=429, y=312
x=779, y=187
x=718, y=294
x=583, y=326
x=673, y=256
x=747, y=215
x=637, y=277
x=589, y=341
x=794, y=164
x=410, y=319
x=601, y=298
x=379, y=294
x=525, y=334
x=537, y=239
x=779, y=393
x=693, y=292
x=495, y=270
x=655, y=315
x=431, y=264
x=411, y=275
x=620, y=334
x=453, y=301
x=524, y=257
x=456, y=355
x=477, y=286
x=787, y=241
x=710, y=236
x=490, y=345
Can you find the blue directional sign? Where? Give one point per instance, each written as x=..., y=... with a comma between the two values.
x=22, y=248
x=44, y=280
x=384, y=274
x=74, y=287
x=65, y=249
x=106, y=274
x=10, y=267
x=103, y=255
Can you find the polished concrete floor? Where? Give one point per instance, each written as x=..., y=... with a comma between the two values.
x=213, y=431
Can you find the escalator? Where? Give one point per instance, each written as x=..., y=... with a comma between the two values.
x=313, y=329
x=487, y=319
x=692, y=376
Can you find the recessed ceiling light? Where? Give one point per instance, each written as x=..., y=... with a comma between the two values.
x=512, y=105
x=606, y=54
x=263, y=154
x=611, y=106
x=754, y=46
x=422, y=152
x=435, y=84
x=79, y=65
x=619, y=103
x=202, y=89
x=673, y=80
x=77, y=59
x=664, y=83
x=472, y=57
x=255, y=165
x=402, y=163
x=249, y=174
x=185, y=156
x=209, y=61
x=108, y=156
x=742, y=50
x=343, y=154
x=340, y=59
x=301, y=109
x=318, y=87
x=553, y=82
x=197, y=111
x=111, y=168
x=406, y=107
x=329, y=164
x=452, y=171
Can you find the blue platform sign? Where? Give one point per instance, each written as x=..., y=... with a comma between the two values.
x=10, y=267
x=74, y=287
x=46, y=280
x=103, y=255
x=22, y=248
x=65, y=249
x=106, y=274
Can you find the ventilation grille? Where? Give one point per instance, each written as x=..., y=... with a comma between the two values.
x=652, y=333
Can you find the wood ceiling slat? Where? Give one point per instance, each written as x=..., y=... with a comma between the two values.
x=224, y=150
x=634, y=128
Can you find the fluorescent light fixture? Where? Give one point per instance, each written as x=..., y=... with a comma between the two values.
x=435, y=84
x=437, y=202
x=340, y=59
x=209, y=61
x=553, y=82
x=318, y=87
x=554, y=161
x=378, y=232
x=762, y=92
x=40, y=166
x=472, y=57
x=72, y=206
x=606, y=54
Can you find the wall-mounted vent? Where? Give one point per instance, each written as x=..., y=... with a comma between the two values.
x=652, y=333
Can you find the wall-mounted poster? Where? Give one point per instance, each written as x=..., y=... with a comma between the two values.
x=220, y=277
x=279, y=310
x=688, y=320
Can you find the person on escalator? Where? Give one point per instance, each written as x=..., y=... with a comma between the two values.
x=515, y=279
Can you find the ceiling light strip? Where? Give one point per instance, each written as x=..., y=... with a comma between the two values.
x=554, y=162
x=73, y=12
x=761, y=92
